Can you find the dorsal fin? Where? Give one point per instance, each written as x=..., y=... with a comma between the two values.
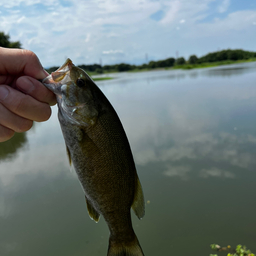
x=138, y=204
x=94, y=215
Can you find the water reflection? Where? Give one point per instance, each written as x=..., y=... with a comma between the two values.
x=232, y=70
x=194, y=141
x=222, y=155
x=43, y=213
x=9, y=148
x=176, y=74
x=198, y=131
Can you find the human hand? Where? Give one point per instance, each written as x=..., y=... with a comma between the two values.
x=23, y=99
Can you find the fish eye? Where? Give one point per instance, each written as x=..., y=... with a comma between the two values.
x=80, y=82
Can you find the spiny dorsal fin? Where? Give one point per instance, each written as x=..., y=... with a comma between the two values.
x=69, y=156
x=138, y=204
x=94, y=215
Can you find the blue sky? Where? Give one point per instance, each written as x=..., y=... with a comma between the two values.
x=114, y=31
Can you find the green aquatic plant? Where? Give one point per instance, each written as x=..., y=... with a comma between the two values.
x=240, y=250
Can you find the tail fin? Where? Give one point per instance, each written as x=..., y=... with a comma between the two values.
x=124, y=248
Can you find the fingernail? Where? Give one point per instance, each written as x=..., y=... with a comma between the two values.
x=26, y=85
x=3, y=93
x=43, y=74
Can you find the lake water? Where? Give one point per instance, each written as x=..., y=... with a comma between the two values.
x=193, y=137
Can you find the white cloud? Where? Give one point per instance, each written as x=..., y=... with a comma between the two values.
x=55, y=13
x=113, y=52
x=206, y=146
x=180, y=171
x=60, y=29
x=21, y=19
x=172, y=11
x=13, y=3
x=88, y=37
x=215, y=172
x=224, y=6
x=183, y=172
x=10, y=4
x=233, y=23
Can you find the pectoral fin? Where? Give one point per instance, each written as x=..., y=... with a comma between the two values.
x=94, y=215
x=69, y=156
x=138, y=205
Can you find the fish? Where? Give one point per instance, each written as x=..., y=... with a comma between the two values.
x=99, y=151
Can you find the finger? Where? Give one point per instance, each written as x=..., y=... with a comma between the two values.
x=24, y=105
x=36, y=90
x=13, y=122
x=21, y=61
x=5, y=133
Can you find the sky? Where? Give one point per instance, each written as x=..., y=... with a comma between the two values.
x=131, y=31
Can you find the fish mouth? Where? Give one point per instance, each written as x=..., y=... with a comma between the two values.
x=59, y=77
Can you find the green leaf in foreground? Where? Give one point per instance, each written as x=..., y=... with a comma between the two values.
x=240, y=250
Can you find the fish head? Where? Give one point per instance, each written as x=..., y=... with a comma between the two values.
x=72, y=88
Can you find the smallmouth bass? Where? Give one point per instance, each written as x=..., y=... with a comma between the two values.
x=99, y=150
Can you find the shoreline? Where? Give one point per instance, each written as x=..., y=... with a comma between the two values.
x=101, y=77
x=213, y=64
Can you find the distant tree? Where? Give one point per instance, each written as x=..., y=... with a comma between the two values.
x=180, y=61
x=51, y=69
x=234, y=55
x=212, y=57
x=165, y=63
x=99, y=70
x=170, y=62
x=5, y=41
x=161, y=63
x=152, y=64
x=228, y=54
x=239, y=54
x=222, y=55
x=143, y=66
x=91, y=68
x=193, y=59
x=123, y=67
x=16, y=44
x=107, y=67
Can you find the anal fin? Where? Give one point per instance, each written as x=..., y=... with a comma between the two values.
x=138, y=205
x=94, y=215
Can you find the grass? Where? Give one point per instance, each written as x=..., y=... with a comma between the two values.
x=101, y=78
x=141, y=70
x=212, y=64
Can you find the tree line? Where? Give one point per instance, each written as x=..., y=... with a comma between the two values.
x=5, y=41
x=217, y=56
